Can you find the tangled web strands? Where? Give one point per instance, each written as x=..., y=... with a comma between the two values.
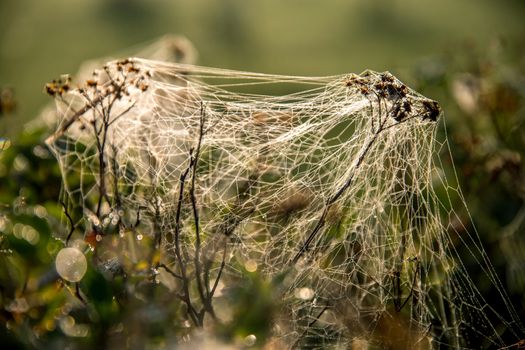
x=328, y=188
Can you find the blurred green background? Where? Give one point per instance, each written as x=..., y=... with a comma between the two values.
x=468, y=55
x=39, y=40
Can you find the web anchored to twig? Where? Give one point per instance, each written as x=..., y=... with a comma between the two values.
x=330, y=184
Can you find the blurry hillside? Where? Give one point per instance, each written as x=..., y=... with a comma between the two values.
x=41, y=40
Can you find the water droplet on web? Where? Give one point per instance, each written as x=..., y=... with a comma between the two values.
x=250, y=340
x=139, y=237
x=71, y=264
x=250, y=265
x=304, y=293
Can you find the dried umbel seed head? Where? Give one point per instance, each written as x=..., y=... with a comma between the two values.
x=401, y=110
x=383, y=85
x=408, y=108
x=59, y=87
x=431, y=110
x=118, y=78
x=110, y=88
x=395, y=98
x=356, y=80
x=388, y=86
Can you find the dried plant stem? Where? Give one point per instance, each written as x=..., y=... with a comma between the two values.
x=185, y=297
x=333, y=199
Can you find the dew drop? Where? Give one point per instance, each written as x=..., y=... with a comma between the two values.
x=250, y=265
x=139, y=237
x=71, y=264
x=250, y=340
x=304, y=293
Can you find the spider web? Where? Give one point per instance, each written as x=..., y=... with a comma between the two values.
x=331, y=189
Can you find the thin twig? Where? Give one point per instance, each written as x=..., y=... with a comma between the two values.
x=72, y=119
x=168, y=270
x=75, y=292
x=78, y=295
x=221, y=268
x=116, y=175
x=182, y=265
x=398, y=309
x=296, y=343
x=71, y=224
x=122, y=113
x=193, y=164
